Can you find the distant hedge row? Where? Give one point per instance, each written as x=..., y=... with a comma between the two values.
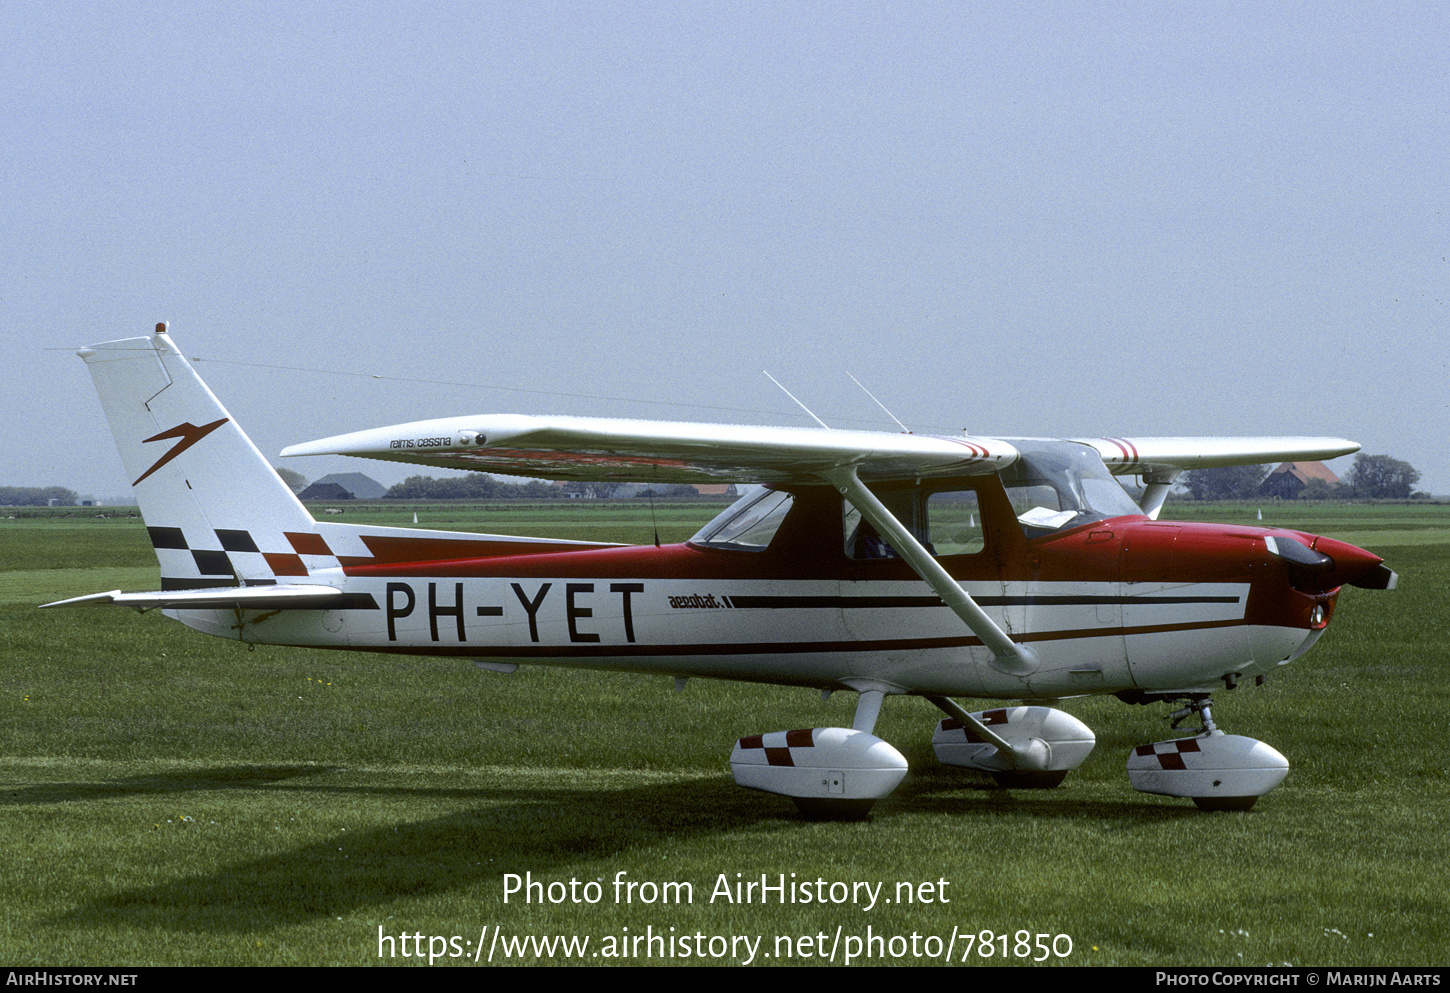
x=478, y=486
x=36, y=496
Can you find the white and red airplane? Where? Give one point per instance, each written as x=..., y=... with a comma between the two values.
x=941, y=567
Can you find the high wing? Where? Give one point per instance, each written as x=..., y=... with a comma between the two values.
x=687, y=452
x=1160, y=460
x=663, y=451
x=1148, y=456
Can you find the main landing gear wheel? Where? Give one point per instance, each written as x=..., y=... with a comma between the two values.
x=830, y=773
x=1216, y=771
x=833, y=810
x=1026, y=780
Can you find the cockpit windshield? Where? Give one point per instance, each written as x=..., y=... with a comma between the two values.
x=1060, y=485
x=748, y=524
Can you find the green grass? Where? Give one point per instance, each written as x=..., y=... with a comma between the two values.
x=1320, y=517
x=171, y=799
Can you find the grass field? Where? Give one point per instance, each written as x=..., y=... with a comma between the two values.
x=171, y=799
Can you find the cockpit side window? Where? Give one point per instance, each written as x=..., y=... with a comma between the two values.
x=862, y=540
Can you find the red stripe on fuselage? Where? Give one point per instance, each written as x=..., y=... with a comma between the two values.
x=437, y=552
x=1119, y=553
x=630, y=562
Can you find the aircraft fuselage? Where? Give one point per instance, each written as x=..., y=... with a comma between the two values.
x=1116, y=605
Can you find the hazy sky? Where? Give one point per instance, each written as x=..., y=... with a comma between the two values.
x=1017, y=218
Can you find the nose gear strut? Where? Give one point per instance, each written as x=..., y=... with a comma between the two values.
x=1199, y=705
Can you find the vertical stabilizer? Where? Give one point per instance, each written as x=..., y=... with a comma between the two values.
x=217, y=513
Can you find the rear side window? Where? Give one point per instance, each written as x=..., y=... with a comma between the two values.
x=946, y=522
x=954, y=522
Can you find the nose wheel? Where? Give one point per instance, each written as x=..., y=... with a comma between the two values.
x=1216, y=771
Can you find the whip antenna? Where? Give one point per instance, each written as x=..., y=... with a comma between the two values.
x=798, y=403
x=889, y=414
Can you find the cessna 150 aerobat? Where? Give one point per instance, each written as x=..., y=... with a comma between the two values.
x=943, y=567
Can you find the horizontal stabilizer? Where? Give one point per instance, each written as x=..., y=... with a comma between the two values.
x=279, y=597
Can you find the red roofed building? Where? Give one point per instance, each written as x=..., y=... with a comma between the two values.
x=1289, y=479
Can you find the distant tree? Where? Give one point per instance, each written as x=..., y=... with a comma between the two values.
x=409, y=489
x=1381, y=477
x=296, y=482
x=1233, y=482
x=597, y=489
x=669, y=490
x=479, y=486
x=474, y=486
x=1319, y=489
x=36, y=496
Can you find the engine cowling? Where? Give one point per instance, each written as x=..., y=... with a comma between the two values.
x=827, y=771
x=1217, y=771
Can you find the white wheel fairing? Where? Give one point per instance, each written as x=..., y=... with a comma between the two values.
x=1215, y=767
x=818, y=764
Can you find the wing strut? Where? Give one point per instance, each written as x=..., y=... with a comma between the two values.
x=1155, y=490
x=1010, y=656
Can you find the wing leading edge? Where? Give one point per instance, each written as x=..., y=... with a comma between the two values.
x=687, y=452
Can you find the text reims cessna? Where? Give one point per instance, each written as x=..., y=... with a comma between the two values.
x=882, y=563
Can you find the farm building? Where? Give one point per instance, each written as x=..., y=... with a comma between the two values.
x=344, y=486
x=1290, y=478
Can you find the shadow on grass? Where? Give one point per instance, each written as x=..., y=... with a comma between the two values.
x=540, y=829
x=949, y=792
x=547, y=830
x=160, y=783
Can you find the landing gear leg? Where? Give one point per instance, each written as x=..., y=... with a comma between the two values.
x=868, y=708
